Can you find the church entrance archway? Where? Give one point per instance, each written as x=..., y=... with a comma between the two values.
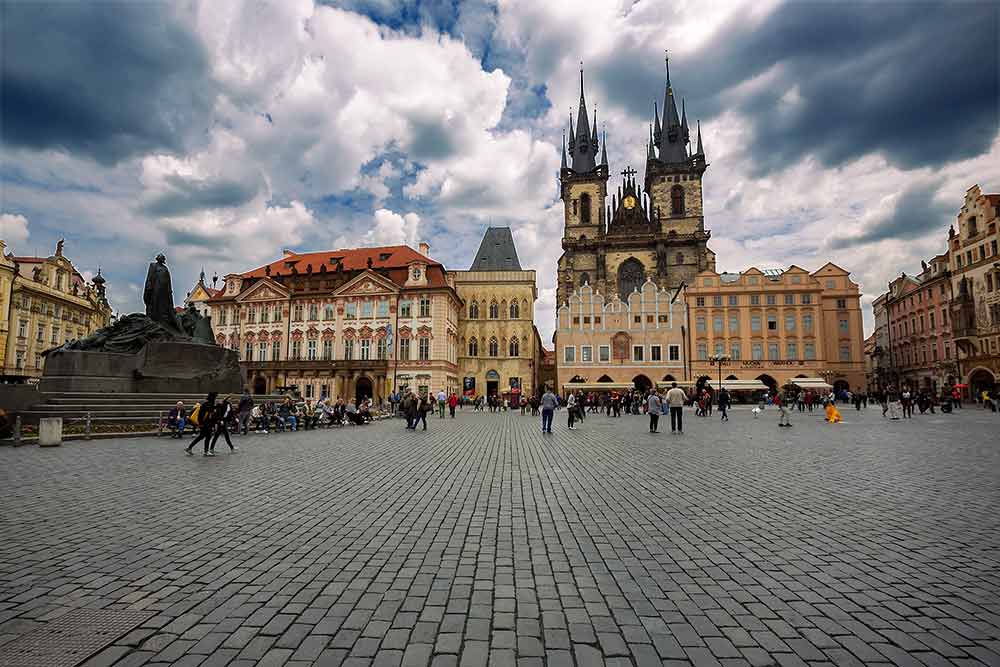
x=979, y=380
x=363, y=390
x=492, y=383
x=259, y=385
x=642, y=383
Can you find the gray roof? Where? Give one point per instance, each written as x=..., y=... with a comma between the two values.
x=496, y=252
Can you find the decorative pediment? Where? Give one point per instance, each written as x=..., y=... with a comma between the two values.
x=349, y=333
x=276, y=334
x=365, y=284
x=312, y=332
x=425, y=332
x=220, y=339
x=365, y=332
x=251, y=336
x=380, y=333
x=264, y=289
x=405, y=332
x=328, y=334
x=263, y=334
x=297, y=334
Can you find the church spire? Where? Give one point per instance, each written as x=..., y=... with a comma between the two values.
x=700, y=151
x=656, y=125
x=604, y=149
x=583, y=151
x=572, y=133
x=685, y=135
x=563, y=150
x=672, y=138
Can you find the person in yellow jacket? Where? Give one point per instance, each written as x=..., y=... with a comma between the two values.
x=832, y=414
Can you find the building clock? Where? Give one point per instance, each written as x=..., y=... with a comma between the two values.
x=629, y=202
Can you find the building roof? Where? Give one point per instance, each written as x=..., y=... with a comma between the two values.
x=496, y=252
x=351, y=259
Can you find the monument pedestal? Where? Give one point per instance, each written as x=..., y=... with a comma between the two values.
x=180, y=367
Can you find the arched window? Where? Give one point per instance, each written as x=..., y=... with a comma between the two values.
x=515, y=310
x=494, y=311
x=515, y=348
x=585, y=209
x=494, y=347
x=677, y=200
x=631, y=275
x=473, y=348
x=584, y=279
x=473, y=311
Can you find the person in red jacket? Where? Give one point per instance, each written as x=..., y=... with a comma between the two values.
x=452, y=403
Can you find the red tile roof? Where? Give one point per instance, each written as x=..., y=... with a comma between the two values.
x=353, y=259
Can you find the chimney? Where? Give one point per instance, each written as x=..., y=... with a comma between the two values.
x=424, y=248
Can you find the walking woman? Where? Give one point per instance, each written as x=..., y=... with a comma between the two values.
x=223, y=411
x=205, y=422
x=724, y=404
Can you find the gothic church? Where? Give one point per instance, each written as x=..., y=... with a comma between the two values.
x=654, y=229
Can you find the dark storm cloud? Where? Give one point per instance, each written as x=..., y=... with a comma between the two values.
x=189, y=195
x=104, y=79
x=916, y=214
x=917, y=81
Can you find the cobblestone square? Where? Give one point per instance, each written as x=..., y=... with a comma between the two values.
x=484, y=542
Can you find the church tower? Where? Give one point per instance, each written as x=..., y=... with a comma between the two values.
x=583, y=188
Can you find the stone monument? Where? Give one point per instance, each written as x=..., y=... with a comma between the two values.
x=160, y=351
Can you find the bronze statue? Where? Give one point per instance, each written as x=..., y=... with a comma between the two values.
x=158, y=295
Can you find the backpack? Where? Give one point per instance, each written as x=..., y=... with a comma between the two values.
x=195, y=416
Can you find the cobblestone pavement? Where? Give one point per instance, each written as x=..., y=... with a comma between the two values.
x=483, y=541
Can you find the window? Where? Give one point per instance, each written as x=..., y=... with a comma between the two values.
x=277, y=313
x=265, y=314
x=845, y=352
x=772, y=351
x=473, y=347
x=514, y=348
x=366, y=349
x=262, y=351
x=585, y=209
x=22, y=329
x=275, y=351
x=810, y=351
x=845, y=326
x=494, y=347
x=755, y=323
x=494, y=311
x=424, y=349
x=367, y=308
x=734, y=300
x=404, y=349
x=637, y=319
x=699, y=301
x=349, y=349
x=677, y=200
x=655, y=353
x=586, y=353
x=328, y=349
x=700, y=324
x=604, y=353
x=515, y=310
x=311, y=350
x=755, y=299
x=717, y=325
x=807, y=322
x=947, y=352
x=351, y=310
x=637, y=352
x=55, y=334
x=771, y=299
x=297, y=312
x=772, y=322
x=973, y=229
x=702, y=352
x=734, y=324
x=674, y=352
x=425, y=307
x=720, y=349
x=842, y=303
x=328, y=312
x=831, y=284
x=757, y=351
x=248, y=352
x=789, y=299
x=734, y=351
x=383, y=308
x=792, y=351
x=716, y=300
x=223, y=316
x=41, y=333
x=989, y=282
x=313, y=312
x=806, y=299
x=569, y=354
x=19, y=362
x=789, y=322
x=931, y=316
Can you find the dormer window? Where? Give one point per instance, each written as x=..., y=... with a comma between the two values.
x=971, y=226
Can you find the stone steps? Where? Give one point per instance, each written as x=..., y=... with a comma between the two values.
x=114, y=408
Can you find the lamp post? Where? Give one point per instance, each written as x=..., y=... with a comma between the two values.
x=827, y=374
x=719, y=360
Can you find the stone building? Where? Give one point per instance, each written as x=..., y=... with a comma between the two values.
x=918, y=331
x=880, y=361
x=352, y=323
x=44, y=302
x=607, y=343
x=777, y=325
x=499, y=346
x=652, y=229
x=975, y=276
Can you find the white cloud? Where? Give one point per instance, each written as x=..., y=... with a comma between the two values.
x=13, y=229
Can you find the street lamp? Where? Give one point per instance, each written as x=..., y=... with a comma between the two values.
x=719, y=360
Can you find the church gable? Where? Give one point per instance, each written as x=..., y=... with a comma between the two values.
x=263, y=290
x=368, y=283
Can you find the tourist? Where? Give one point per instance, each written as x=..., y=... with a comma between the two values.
x=259, y=419
x=309, y=416
x=724, y=402
x=244, y=408
x=442, y=399
x=203, y=417
x=223, y=412
x=453, y=403
x=548, y=403
x=653, y=408
x=424, y=406
x=177, y=420
x=571, y=411
x=833, y=415
x=676, y=399
x=352, y=415
x=906, y=400
x=781, y=401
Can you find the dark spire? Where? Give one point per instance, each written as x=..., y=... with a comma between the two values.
x=656, y=125
x=700, y=151
x=572, y=133
x=685, y=135
x=563, y=150
x=584, y=152
x=593, y=139
x=604, y=150
x=672, y=141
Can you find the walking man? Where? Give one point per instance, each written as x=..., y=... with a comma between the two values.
x=549, y=403
x=442, y=398
x=205, y=422
x=781, y=400
x=571, y=410
x=223, y=411
x=724, y=404
x=676, y=398
x=244, y=408
x=653, y=408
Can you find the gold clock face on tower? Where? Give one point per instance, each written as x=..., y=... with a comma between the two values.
x=629, y=202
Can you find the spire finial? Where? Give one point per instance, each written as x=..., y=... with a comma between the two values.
x=564, y=149
x=604, y=147
x=666, y=61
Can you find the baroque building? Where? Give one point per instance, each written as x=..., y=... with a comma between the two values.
x=353, y=323
x=44, y=302
x=653, y=229
x=201, y=294
x=974, y=263
x=499, y=347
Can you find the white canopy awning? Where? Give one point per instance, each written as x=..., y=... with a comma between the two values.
x=739, y=385
x=810, y=383
x=599, y=386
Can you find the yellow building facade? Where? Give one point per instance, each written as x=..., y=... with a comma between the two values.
x=776, y=326
x=499, y=346
x=46, y=302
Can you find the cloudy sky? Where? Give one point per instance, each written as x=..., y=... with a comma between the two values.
x=222, y=131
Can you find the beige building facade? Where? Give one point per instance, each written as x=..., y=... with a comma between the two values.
x=499, y=346
x=45, y=303
x=776, y=326
x=603, y=342
x=353, y=323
